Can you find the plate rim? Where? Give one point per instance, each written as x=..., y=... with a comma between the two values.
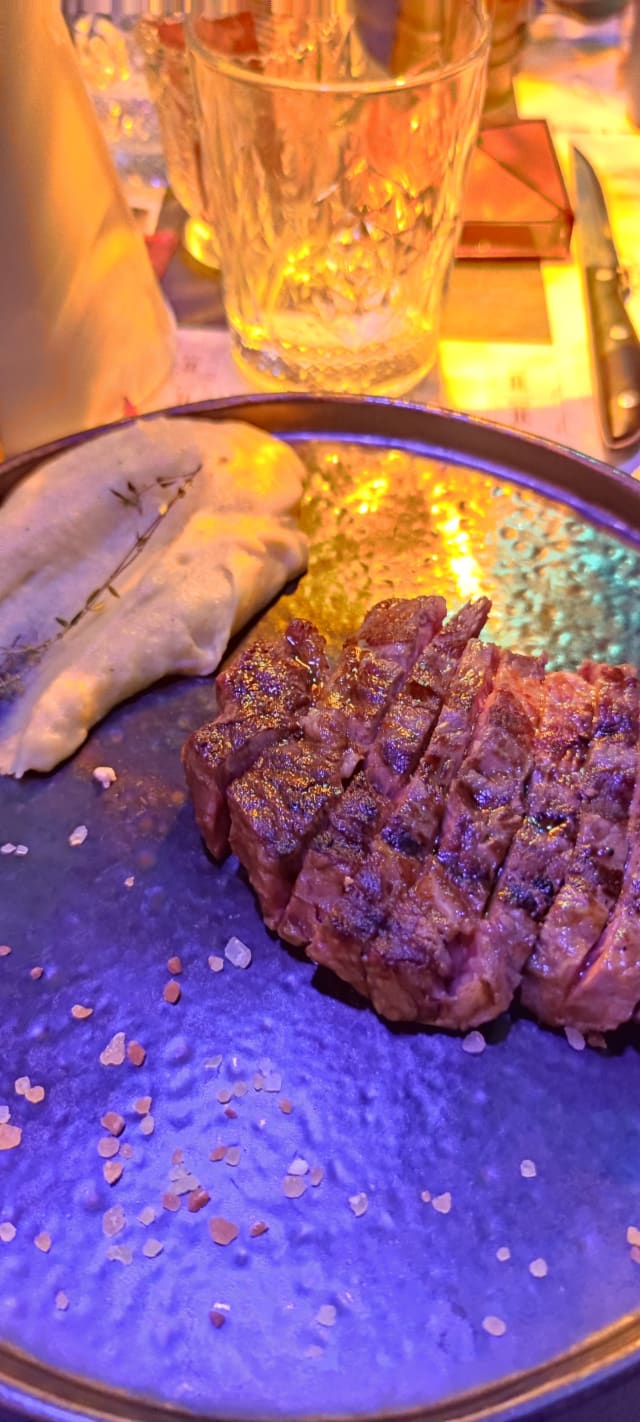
x=30, y=1387
x=503, y=453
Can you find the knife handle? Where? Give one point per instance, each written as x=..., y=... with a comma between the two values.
x=617, y=358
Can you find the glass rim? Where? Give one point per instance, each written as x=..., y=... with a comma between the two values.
x=224, y=64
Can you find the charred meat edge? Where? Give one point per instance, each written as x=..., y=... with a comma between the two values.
x=398, y=851
x=260, y=699
x=337, y=852
x=420, y=965
x=278, y=806
x=583, y=905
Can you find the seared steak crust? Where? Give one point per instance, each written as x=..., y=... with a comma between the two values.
x=282, y=802
x=399, y=849
x=582, y=908
x=260, y=699
x=336, y=854
x=422, y=958
x=439, y=822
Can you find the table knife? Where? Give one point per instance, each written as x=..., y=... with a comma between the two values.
x=614, y=342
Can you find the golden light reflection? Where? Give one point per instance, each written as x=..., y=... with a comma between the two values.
x=465, y=571
x=368, y=494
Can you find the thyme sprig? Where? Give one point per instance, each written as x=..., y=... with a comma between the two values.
x=21, y=655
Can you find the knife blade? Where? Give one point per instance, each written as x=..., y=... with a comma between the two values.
x=615, y=345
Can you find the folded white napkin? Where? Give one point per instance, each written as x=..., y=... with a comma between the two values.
x=84, y=325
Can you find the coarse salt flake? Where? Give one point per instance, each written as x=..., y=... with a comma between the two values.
x=299, y=1166
x=223, y=1231
x=129, y=883
x=147, y=1215
x=474, y=1044
x=113, y=1221
x=113, y=1122
x=539, y=1268
x=10, y=1136
x=359, y=1204
x=633, y=1236
x=237, y=953
x=137, y=1054
x=7, y=1231
x=5, y=1115
x=104, y=775
x=495, y=1326
x=147, y=1125
x=528, y=1169
x=43, y=1242
x=503, y=1254
x=174, y=966
x=216, y=963
x=112, y=1171
x=61, y=1301
x=107, y=1147
x=152, y=1248
x=78, y=836
x=21, y=849
x=326, y=1315
x=114, y=1052
x=21, y=1085
x=442, y=1203
x=294, y=1186
x=121, y=1253
x=197, y=1199
x=80, y=1013
x=35, y=1094
x=260, y=1227
x=232, y=1156
x=7, y=848
x=425, y=1196
x=142, y=1106
x=5, y=950
x=36, y=973
x=575, y=1039
x=172, y=992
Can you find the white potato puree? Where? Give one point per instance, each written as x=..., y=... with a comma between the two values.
x=90, y=612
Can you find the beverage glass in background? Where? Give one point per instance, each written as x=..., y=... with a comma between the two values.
x=163, y=45
x=509, y=28
x=333, y=178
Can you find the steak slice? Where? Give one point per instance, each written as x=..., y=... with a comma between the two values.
x=338, y=851
x=261, y=696
x=398, y=851
x=537, y=863
x=419, y=968
x=583, y=905
x=607, y=991
x=282, y=802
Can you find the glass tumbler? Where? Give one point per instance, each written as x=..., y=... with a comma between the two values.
x=334, y=178
x=163, y=44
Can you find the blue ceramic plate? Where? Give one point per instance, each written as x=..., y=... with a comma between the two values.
x=331, y=1312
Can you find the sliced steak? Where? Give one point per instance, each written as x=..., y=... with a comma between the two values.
x=583, y=905
x=419, y=967
x=398, y=852
x=261, y=697
x=537, y=863
x=336, y=854
x=607, y=991
x=282, y=802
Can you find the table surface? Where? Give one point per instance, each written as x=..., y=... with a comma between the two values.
x=536, y=375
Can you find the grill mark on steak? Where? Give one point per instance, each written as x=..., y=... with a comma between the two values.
x=583, y=905
x=336, y=854
x=419, y=968
x=537, y=863
x=260, y=697
x=607, y=991
x=341, y=942
x=283, y=801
